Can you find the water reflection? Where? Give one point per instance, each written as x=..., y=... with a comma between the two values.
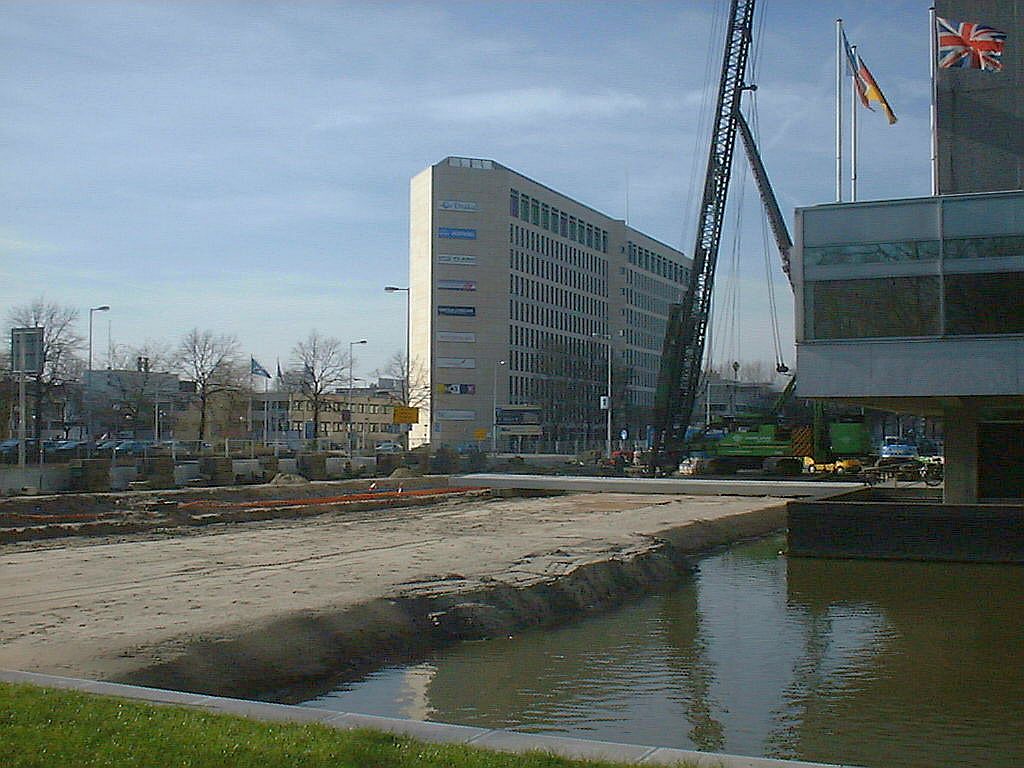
x=901, y=664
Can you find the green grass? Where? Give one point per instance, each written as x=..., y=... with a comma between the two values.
x=48, y=727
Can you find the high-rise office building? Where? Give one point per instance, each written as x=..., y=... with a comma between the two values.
x=518, y=295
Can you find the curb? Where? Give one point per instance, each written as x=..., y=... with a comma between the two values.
x=497, y=740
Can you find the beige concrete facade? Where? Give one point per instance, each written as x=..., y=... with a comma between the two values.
x=502, y=270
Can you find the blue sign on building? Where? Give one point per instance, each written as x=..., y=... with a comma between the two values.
x=456, y=233
x=456, y=311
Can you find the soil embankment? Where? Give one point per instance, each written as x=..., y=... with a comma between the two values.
x=279, y=608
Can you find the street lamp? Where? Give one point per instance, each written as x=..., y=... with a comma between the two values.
x=608, y=394
x=494, y=409
x=408, y=320
x=351, y=371
x=101, y=308
x=408, y=333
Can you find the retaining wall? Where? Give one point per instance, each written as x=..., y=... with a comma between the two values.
x=910, y=524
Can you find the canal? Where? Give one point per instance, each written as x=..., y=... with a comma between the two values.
x=866, y=663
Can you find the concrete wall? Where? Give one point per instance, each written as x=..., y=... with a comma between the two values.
x=44, y=479
x=854, y=525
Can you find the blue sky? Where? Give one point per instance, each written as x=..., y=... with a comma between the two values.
x=244, y=167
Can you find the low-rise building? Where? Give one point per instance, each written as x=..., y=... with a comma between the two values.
x=356, y=420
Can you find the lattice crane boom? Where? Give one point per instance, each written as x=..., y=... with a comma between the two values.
x=683, y=349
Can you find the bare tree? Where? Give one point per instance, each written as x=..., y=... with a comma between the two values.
x=320, y=364
x=212, y=362
x=127, y=395
x=61, y=342
x=415, y=385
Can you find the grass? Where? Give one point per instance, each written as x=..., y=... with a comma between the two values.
x=48, y=727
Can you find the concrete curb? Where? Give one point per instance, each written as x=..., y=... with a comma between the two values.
x=679, y=486
x=498, y=740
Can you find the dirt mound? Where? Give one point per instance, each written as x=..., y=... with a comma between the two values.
x=287, y=478
x=401, y=472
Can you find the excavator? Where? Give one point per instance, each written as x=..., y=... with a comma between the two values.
x=767, y=445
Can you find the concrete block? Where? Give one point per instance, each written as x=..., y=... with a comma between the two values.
x=417, y=729
x=509, y=741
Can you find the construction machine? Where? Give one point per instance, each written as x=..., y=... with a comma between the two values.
x=765, y=443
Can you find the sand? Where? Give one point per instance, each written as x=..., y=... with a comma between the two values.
x=106, y=608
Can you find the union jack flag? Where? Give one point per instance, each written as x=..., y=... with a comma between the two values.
x=968, y=45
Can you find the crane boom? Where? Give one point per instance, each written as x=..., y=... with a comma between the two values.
x=764, y=188
x=683, y=349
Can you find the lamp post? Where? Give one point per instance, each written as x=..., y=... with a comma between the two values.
x=351, y=378
x=608, y=395
x=92, y=310
x=408, y=362
x=408, y=319
x=494, y=409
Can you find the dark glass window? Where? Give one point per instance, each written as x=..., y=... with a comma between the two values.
x=876, y=308
x=513, y=204
x=985, y=303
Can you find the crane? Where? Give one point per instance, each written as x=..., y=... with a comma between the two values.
x=683, y=349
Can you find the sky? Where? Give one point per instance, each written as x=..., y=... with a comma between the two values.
x=244, y=167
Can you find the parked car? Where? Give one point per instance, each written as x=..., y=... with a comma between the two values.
x=388, y=447
x=66, y=449
x=133, y=447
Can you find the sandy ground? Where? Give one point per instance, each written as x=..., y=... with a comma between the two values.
x=101, y=608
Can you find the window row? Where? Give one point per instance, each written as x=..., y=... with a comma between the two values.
x=922, y=305
x=540, y=214
x=555, y=295
x=556, y=343
x=545, y=246
x=549, y=317
x=648, y=284
x=645, y=302
x=527, y=263
x=341, y=426
x=915, y=250
x=638, y=338
x=656, y=263
x=644, y=322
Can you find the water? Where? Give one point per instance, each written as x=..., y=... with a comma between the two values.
x=867, y=663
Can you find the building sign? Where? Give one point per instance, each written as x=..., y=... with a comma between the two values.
x=456, y=285
x=456, y=311
x=456, y=415
x=456, y=362
x=27, y=350
x=517, y=414
x=456, y=389
x=405, y=415
x=526, y=430
x=456, y=258
x=456, y=233
x=459, y=205
x=456, y=337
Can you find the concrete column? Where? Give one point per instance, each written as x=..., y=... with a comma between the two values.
x=960, y=427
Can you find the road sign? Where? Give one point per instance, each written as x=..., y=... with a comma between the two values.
x=27, y=350
x=405, y=415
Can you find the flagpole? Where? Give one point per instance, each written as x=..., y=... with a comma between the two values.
x=839, y=110
x=933, y=112
x=251, y=388
x=853, y=131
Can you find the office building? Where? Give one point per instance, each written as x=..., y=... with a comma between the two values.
x=914, y=306
x=517, y=295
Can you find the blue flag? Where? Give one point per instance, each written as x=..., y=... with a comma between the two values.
x=258, y=370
